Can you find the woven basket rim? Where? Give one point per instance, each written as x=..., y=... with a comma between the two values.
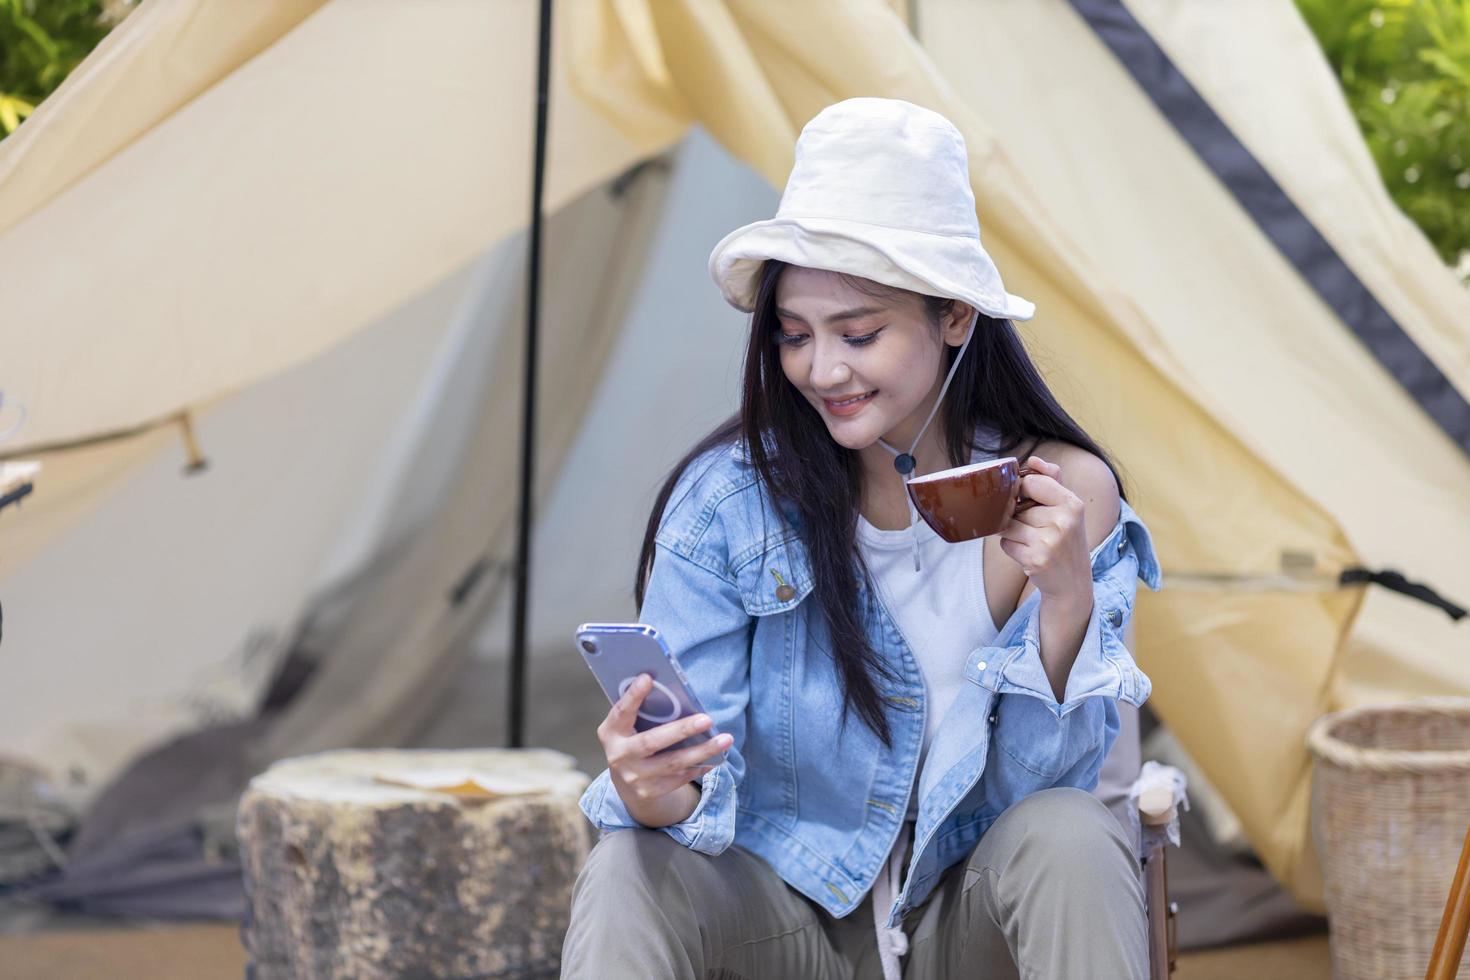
x=1328, y=747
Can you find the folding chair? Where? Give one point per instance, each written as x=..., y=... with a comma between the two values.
x=1158, y=806
x=1146, y=798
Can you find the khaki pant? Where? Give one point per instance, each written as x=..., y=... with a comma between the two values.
x=1052, y=890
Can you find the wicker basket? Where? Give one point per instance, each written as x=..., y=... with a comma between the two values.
x=1391, y=801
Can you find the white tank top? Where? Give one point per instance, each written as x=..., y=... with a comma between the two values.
x=941, y=611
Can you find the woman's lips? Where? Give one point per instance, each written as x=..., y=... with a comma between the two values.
x=848, y=406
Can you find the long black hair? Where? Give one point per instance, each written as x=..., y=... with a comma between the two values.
x=996, y=386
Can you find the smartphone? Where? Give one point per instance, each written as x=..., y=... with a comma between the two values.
x=618, y=652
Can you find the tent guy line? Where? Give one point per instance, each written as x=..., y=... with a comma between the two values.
x=1347, y=578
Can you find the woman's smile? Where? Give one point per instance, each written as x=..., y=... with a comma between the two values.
x=848, y=406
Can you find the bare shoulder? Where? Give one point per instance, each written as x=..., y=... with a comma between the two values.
x=1092, y=480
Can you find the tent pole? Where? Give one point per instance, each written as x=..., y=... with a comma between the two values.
x=517, y=687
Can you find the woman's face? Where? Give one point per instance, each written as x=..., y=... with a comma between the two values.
x=869, y=365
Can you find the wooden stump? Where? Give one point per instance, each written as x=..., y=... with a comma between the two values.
x=349, y=876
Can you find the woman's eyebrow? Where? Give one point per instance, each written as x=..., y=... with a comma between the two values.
x=853, y=314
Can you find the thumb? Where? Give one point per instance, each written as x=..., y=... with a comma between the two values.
x=625, y=708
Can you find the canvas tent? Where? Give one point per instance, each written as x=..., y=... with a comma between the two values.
x=1222, y=334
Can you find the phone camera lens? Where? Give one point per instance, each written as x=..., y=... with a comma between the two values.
x=590, y=646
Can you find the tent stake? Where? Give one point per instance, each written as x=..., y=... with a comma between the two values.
x=517, y=687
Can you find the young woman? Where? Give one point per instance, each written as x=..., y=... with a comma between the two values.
x=910, y=727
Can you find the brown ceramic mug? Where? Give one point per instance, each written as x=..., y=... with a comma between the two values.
x=973, y=501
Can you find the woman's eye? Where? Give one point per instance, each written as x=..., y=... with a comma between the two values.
x=797, y=339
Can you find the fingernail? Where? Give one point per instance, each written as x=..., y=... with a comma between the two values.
x=725, y=739
x=701, y=721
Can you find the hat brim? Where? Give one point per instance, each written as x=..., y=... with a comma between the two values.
x=952, y=266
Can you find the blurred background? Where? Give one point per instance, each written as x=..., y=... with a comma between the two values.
x=262, y=320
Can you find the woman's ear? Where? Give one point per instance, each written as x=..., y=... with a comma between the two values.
x=956, y=321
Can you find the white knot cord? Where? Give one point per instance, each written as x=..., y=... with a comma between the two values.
x=892, y=941
x=909, y=475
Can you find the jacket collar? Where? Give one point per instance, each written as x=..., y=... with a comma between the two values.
x=740, y=451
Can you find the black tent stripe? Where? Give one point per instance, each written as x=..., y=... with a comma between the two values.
x=1275, y=214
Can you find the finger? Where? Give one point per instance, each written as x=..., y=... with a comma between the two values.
x=670, y=733
x=645, y=782
x=1018, y=533
x=1042, y=515
x=696, y=754
x=1037, y=464
x=648, y=781
x=695, y=774
x=1015, y=550
x=620, y=719
x=1018, y=553
x=1043, y=489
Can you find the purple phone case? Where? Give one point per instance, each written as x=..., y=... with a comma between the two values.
x=625, y=650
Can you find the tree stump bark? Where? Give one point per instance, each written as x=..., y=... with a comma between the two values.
x=349, y=876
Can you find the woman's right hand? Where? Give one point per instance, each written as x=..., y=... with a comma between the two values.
x=655, y=788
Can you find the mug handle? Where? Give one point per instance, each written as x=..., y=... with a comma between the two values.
x=1023, y=502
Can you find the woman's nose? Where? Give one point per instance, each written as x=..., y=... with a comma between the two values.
x=829, y=367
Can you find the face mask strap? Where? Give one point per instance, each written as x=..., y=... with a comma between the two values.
x=904, y=462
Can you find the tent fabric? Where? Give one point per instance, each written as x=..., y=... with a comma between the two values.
x=194, y=587
x=159, y=842
x=1281, y=221
x=162, y=56
x=387, y=640
x=240, y=233
x=413, y=616
x=166, y=604
x=1238, y=404
x=1332, y=178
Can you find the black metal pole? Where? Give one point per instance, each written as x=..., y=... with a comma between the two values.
x=517, y=693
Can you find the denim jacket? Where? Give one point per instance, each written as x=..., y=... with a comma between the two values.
x=821, y=801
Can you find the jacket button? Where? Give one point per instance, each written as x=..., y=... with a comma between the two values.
x=1116, y=617
x=1122, y=543
x=784, y=592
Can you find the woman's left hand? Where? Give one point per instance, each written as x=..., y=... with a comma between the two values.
x=1049, y=539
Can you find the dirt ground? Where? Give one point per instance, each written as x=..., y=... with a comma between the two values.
x=213, y=952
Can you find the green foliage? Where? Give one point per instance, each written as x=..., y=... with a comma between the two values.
x=1405, y=68
x=41, y=41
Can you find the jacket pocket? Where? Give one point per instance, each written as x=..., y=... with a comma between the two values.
x=773, y=576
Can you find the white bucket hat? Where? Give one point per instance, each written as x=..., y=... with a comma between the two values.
x=881, y=190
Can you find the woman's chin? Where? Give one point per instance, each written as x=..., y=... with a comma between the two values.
x=854, y=434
